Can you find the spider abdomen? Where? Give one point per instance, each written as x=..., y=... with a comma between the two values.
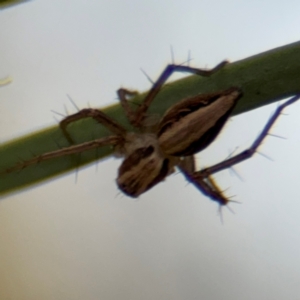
x=192, y=124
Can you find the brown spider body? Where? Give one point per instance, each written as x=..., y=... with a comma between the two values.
x=185, y=129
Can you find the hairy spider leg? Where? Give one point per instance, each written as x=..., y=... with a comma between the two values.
x=124, y=95
x=111, y=140
x=248, y=153
x=96, y=114
x=206, y=185
x=136, y=118
x=209, y=188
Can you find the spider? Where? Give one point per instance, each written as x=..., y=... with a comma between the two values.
x=151, y=152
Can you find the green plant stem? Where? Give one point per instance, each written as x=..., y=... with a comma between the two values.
x=264, y=78
x=9, y=3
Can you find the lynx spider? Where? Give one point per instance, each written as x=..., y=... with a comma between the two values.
x=151, y=153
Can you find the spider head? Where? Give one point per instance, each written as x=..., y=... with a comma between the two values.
x=141, y=170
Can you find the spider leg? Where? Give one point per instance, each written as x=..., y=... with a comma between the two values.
x=206, y=184
x=124, y=95
x=251, y=151
x=168, y=71
x=111, y=140
x=96, y=114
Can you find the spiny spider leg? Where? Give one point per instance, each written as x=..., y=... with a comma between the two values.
x=111, y=140
x=206, y=185
x=248, y=152
x=203, y=180
x=123, y=95
x=136, y=118
x=96, y=114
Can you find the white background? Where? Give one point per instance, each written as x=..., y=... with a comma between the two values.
x=62, y=240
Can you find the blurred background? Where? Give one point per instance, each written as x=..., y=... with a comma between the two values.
x=85, y=240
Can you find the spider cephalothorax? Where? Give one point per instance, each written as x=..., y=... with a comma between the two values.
x=152, y=152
